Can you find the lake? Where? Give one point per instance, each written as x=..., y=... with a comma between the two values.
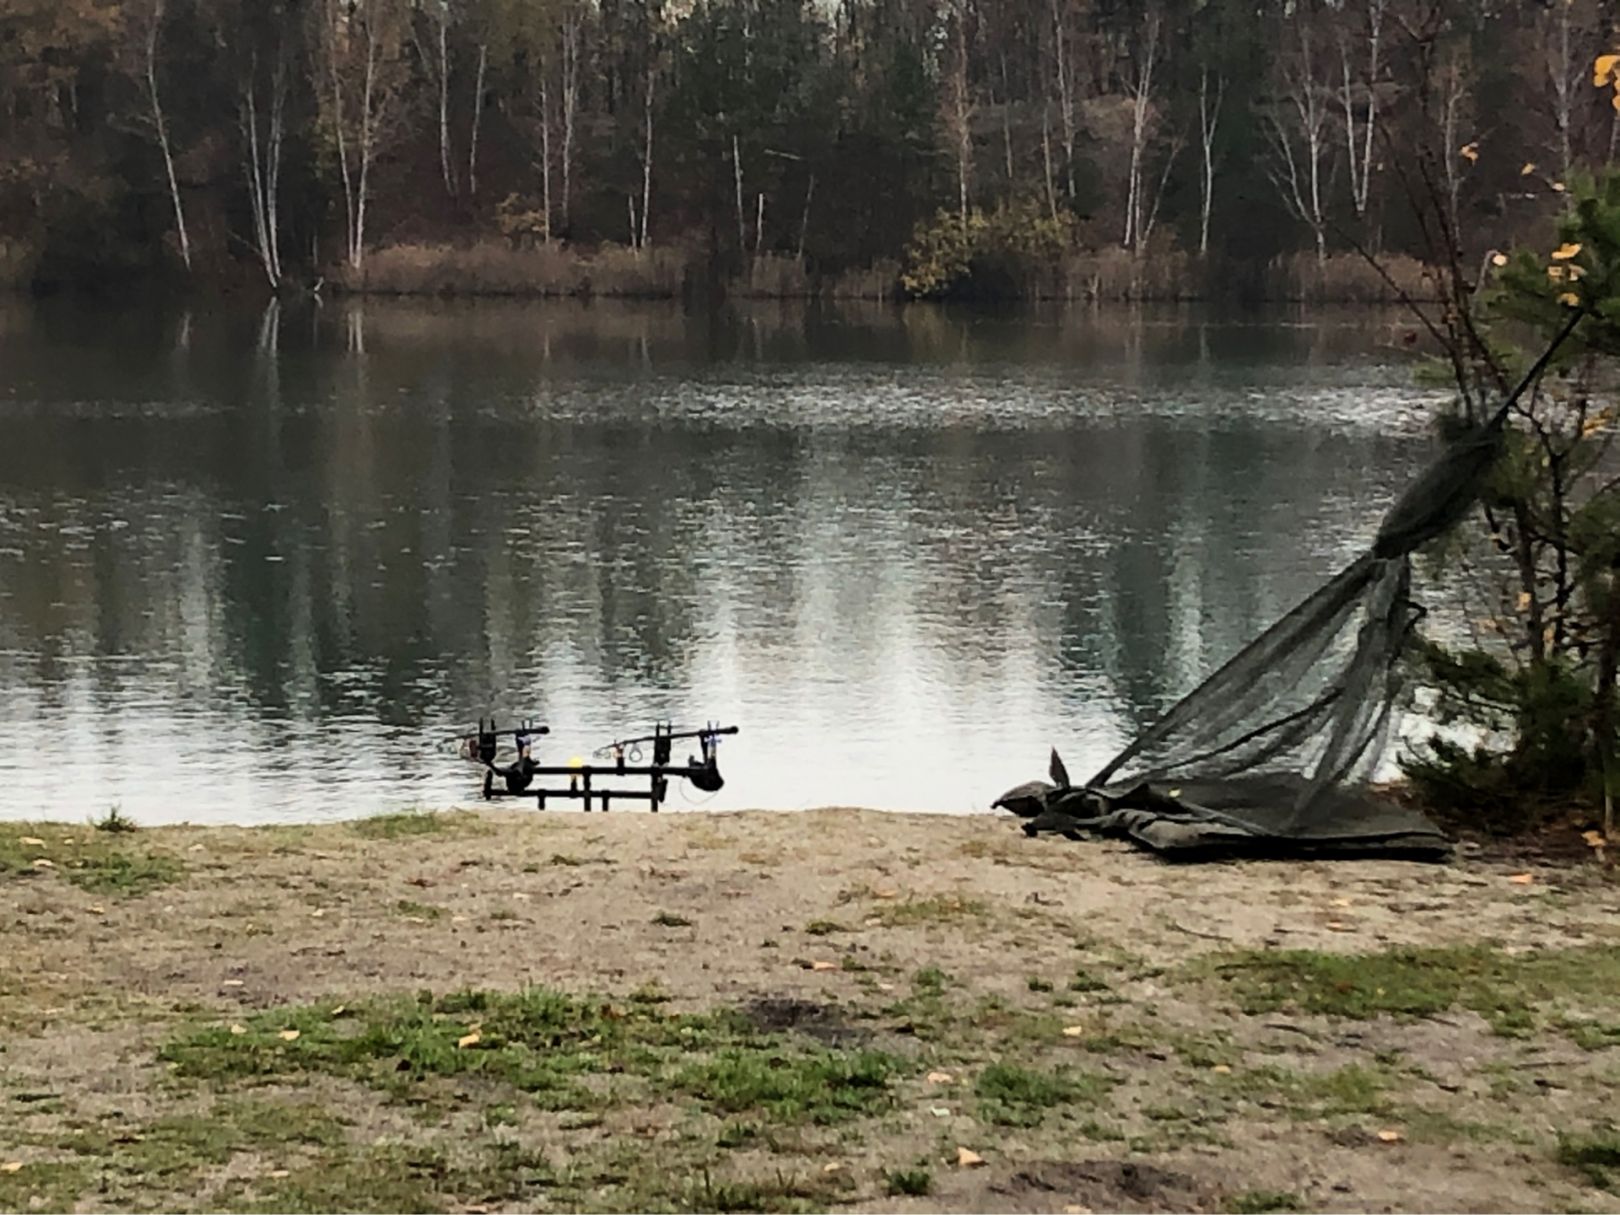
x=256, y=565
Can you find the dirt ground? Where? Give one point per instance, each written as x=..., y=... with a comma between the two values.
x=771, y=1011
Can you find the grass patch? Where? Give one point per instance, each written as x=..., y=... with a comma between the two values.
x=101, y=862
x=1595, y=1154
x=668, y=919
x=1508, y=990
x=421, y=911
x=821, y=1086
x=1254, y=1202
x=406, y=824
x=49, y=1185
x=114, y=822
x=938, y=909
x=1017, y=1096
x=824, y=928
x=547, y=1045
x=914, y=1182
x=1346, y=1091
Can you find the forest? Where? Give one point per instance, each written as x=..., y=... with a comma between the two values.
x=930, y=147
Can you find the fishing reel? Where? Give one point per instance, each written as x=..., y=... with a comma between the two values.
x=483, y=746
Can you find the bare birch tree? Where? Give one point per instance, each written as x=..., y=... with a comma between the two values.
x=360, y=41
x=1063, y=76
x=1565, y=70
x=1144, y=59
x=1453, y=80
x=262, y=117
x=647, y=148
x=1361, y=120
x=1209, y=118
x=569, y=100
x=477, y=118
x=1296, y=125
x=958, y=107
x=145, y=28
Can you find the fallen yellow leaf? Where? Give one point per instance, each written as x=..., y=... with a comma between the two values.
x=1565, y=251
x=1221, y=1069
x=1341, y=902
x=940, y=1078
x=1499, y=259
x=1557, y=187
x=98, y=909
x=288, y=1035
x=278, y=1173
x=1603, y=68
x=11, y=1166
x=1469, y=152
x=885, y=894
x=1074, y=1031
x=1522, y=879
x=824, y=966
x=42, y=863
x=340, y=1010
x=31, y=841
x=1570, y=300
x=232, y=983
x=968, y=1159
x=472, y=1039
x=832, y=1166
x=238, y=1030
x=1390, y=1136
x=1529, y=168
x=1594, y=839
x=1555, y=273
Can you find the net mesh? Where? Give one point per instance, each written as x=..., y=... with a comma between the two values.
x=1270, y=750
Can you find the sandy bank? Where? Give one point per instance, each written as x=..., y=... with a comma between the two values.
x=866, y=995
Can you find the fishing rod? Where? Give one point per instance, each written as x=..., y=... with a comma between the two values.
x=517, y=779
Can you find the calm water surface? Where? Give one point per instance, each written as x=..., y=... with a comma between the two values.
x=254, y=566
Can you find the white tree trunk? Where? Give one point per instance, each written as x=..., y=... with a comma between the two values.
x=570, y=99
x=1209, y=117
x=959, y=118
x=545, y=151
x=263, y=163
x=477, y=120
x=442, y=20
x=368, y=148
x=1065, y=94
x=161, y=127
x=1046, y=161
x=804, y=220
x=1141, y=110
x=1358, y=133
x=1300, y=117
x=1565, y=77
x=736, y=168
x=647, y=159
x=1455, y=93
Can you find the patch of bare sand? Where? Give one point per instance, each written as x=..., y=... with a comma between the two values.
x=820, y=923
